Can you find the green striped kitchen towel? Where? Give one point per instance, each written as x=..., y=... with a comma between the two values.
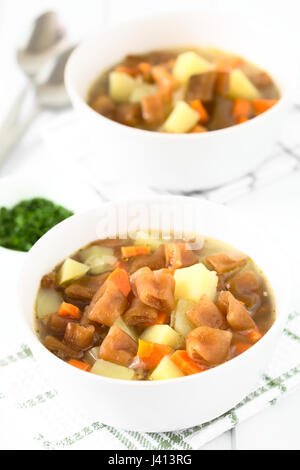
x=34, y=416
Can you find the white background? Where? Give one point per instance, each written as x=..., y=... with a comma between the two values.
x=276, y=205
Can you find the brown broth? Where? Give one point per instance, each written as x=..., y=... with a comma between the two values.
x=215, y=106
x=260, y=304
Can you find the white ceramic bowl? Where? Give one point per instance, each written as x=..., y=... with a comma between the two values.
x=171, y=404
x=183, y=162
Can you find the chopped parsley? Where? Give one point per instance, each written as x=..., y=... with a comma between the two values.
x=25, y=223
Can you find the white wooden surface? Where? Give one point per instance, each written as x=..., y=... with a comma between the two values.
x=277, y=205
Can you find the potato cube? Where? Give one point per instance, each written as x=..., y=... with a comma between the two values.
x=72, y=270
x=188, y=64
x=152, y=240
x=163, y=334
x=114, y=371
x=95, y=251
x=182, y=119
x=145, y=89
x=193, y=282
x=241, y=87
x=120, y=323
x=48, y=301
x=121, y=86
x=99, y=258
x=182, y=324
x=165, y=370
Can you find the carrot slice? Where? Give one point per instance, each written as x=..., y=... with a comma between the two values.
x=80, y=365
x=253, y=335
x=239, y=348
x=121, y=264
x=242, y=108
x=173, y=254
x=162, y=318
x=241, y=119
x=164, y=79
x=261, y=105
x=145, y=69
x=198, y=129
x=198, y=106
x=150, y=354
x=121, y=279
x=129, y=251
x=132, y=71
x=69, y=311
x=227, y=63
x=186, y=364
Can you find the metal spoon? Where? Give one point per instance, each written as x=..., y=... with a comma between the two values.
x=50, y=94
x=47, y=39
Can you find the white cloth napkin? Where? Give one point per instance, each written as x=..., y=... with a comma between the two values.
x=35, y=416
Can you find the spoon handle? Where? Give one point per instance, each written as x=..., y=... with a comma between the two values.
x=14, y=112
x=10, y=138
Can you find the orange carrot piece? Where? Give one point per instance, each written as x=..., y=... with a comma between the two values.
x=121, y=279
x=121, y=264
x=173, y=254
x=162, y=318
x=227, y=63
x=186, y=364
x=80, y=365
x=132, y=71
x=253, y=335
x=129, y=251
x=164, y=79
x=261, y=105
x=198, y=106
x=145, y=69
x=69, y=311
x=150, y=354
x=242, y=108
x=241, y=119
x=239, y=348
x=198, y=129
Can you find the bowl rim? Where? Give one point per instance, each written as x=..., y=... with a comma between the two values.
x=32, y=336
x=75, y=97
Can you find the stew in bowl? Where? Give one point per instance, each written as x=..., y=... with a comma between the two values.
x=186, y=90
x=153, y=309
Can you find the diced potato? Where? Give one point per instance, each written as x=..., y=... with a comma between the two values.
x=114, y=371
x=99, y=258
x=188, y=64
x=143, y=239
x=101, y=265
x=165, y=370
x=92, y=355
x=241, y=87
x=127, y=329
x=72, y=270
x=182, y=119
x=121, y=86
x=181, y=322
x=163, y=334
x=48, y=301
x=95, y=251
x=193, y=282
x=179, y=94
x=141, y=91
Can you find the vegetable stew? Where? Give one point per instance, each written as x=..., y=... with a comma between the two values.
x=153, y=309
x=188, y=90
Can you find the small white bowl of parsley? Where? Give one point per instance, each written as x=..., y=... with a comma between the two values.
x=29, y=207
